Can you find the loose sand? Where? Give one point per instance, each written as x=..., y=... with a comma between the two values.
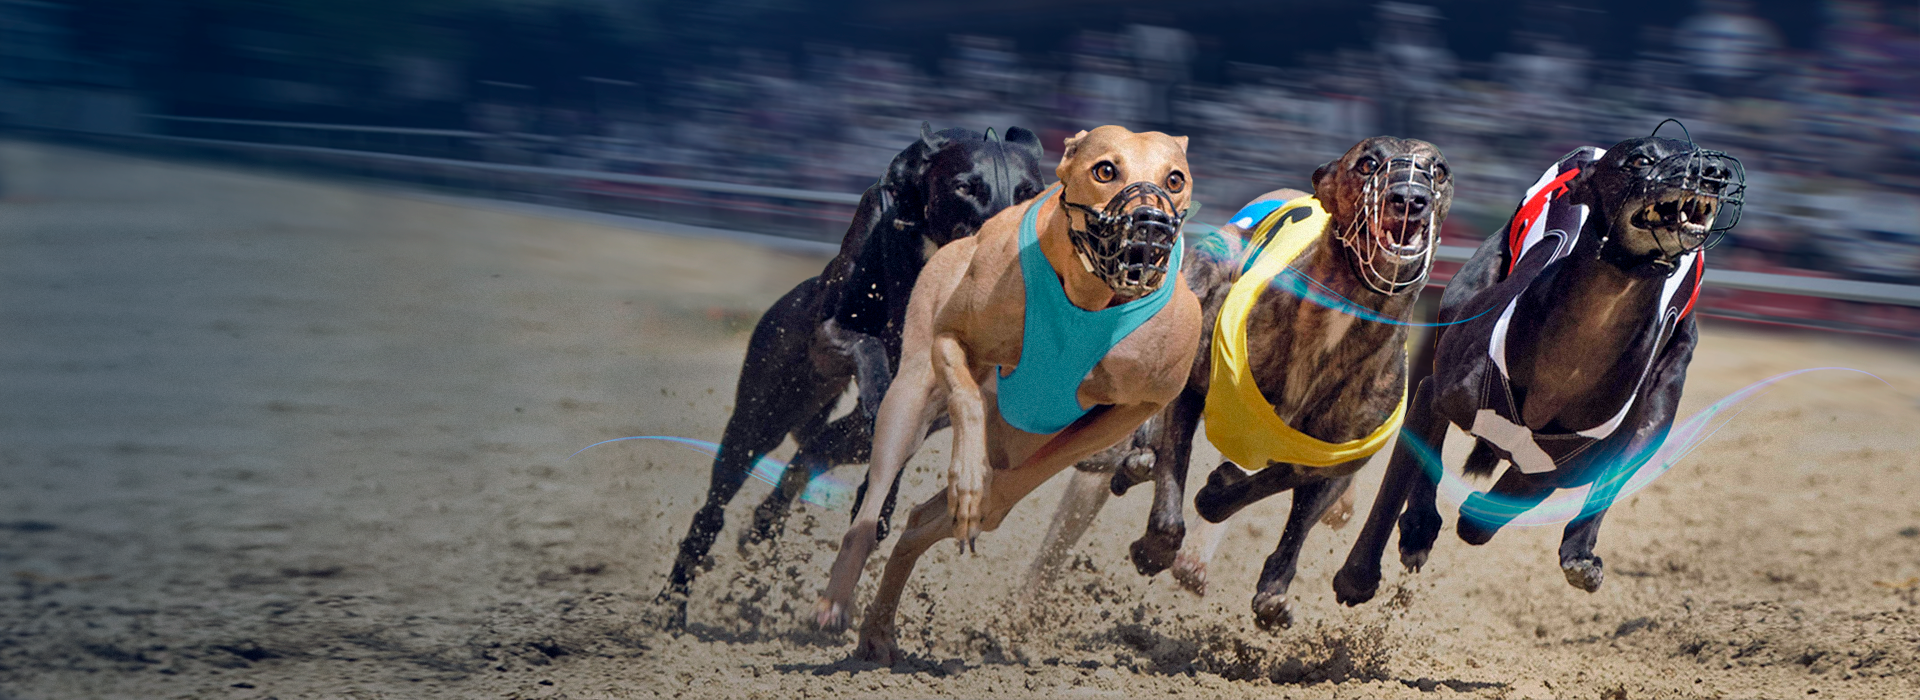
x=265, y=437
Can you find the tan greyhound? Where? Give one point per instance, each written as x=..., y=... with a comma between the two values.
x=1051, y=336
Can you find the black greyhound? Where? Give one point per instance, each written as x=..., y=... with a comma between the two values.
x=844, y=326
x=1569, y=341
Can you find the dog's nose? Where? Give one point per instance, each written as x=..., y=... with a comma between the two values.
x=1408, y=200
x=1714, y=177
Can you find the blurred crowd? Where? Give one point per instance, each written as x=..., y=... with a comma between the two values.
x=1830, y=136
x=1828, y=125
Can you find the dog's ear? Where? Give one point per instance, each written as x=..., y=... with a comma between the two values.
x=1182, y=140
x=1026, y=139
x=1073, y=145
x=1066, y=156
x=932, y=140
x=1321, y=172
x=904, y=174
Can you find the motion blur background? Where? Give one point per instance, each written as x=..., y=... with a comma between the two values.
x=1821, y=100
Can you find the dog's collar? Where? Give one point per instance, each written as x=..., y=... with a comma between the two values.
x=1657, y=263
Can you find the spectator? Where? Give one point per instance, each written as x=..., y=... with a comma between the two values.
x=1417, y=65
x=1162, y=54
x=1730, y=50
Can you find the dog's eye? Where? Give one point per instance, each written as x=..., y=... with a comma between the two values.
x=961, y=190
x=1367, y=165
x=1440, y=174
x=1176, y=181
x=1104, y=171
x=1640, y=161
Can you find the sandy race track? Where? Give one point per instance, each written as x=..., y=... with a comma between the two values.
x=266, y=437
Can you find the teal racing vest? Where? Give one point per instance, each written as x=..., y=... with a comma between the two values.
x=1061, y=342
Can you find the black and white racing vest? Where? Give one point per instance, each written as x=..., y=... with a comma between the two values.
x=1542, y=231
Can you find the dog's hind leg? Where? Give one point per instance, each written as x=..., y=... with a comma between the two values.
x=1086, y=494
x=1517, y=492
x=1271, y=607
x=1172, y=448
x=927, y=524
x=770, y=518
x=1359, y=577
x=1420, y=524
x=730, y=470
x=1230, y=488
x=769, y=400
x=809, y=462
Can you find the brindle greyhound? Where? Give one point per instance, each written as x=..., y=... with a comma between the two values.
x=1333, y=371
x=1097, y=334
x=844, y=326
x=1567, y=346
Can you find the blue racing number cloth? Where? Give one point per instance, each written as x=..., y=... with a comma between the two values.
x=1061, y=342
x=1255, y=213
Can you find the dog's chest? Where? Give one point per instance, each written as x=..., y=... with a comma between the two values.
x=1317, y=362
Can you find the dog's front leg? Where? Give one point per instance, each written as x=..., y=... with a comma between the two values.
x=1421, y=436
x=1577, y=560
x=906, y=411
x=969, y=476
x=1272, y=608
x=1190, y=565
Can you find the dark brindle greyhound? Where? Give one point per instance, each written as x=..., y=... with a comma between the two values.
x=844, y=326
x=1568, y=347
x=1301, y=389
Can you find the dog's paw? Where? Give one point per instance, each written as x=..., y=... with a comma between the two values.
x=1353, y=586
x=1413, y=560
x=669, y=612
x=829, y=615
x=967, y=484
x=1473, y=532
x=757, y=541
x=1272, y=612
x=1340, y=513
x=1155, y=551
x=1584, y=574
x=877, y=646
x=1136, y=468
x=1191, y=572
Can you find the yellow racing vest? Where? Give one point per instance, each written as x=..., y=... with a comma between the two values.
x=1240, y=421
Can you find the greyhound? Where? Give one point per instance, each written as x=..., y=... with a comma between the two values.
x=1563, y=350
x=1091, y=317
x=844, y=326
x=1303, y=378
